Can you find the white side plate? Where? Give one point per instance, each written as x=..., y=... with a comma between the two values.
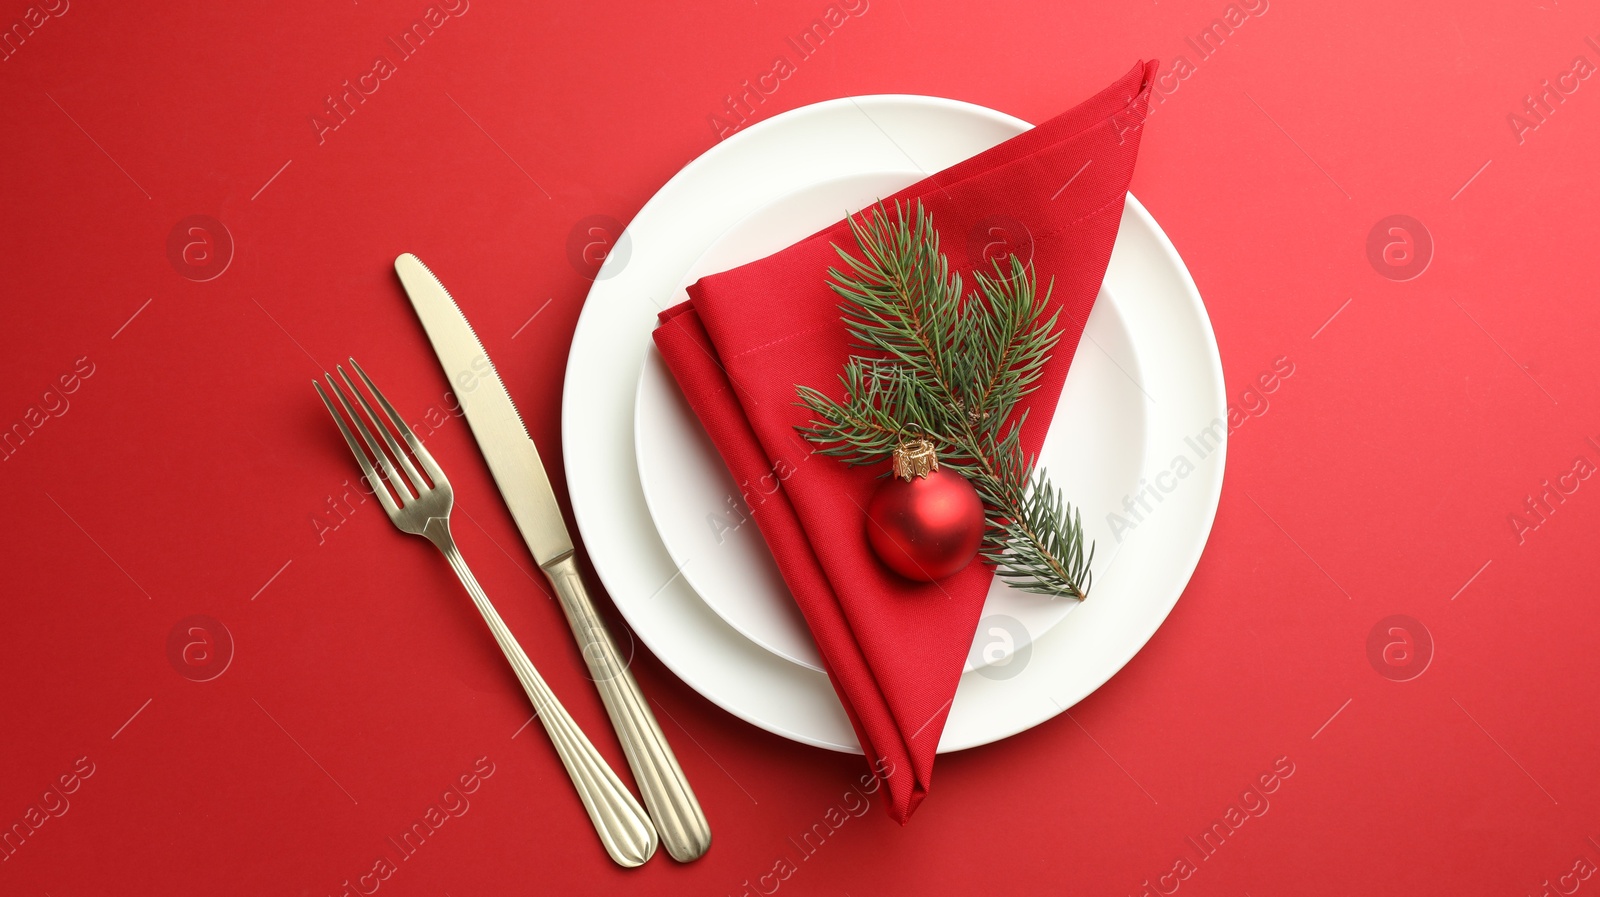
x=723, y=557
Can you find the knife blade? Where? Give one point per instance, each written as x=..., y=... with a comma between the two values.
x=525, y=486
x=496, y=424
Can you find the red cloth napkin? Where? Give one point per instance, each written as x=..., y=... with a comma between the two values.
x=894, y=649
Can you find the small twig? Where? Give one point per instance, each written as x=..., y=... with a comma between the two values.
x=901, y=300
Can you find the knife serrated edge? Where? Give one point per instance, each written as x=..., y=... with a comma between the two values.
x=494, y=371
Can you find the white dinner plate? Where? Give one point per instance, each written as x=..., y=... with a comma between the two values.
x=701, y=512
x=1159, y=388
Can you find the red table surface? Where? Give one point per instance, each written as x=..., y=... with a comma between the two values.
x=172, y=461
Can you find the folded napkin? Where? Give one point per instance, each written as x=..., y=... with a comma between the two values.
x=894, y=649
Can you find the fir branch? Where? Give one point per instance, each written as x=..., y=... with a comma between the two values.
x=951, y=367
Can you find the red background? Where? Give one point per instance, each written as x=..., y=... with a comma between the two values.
x=187, y=473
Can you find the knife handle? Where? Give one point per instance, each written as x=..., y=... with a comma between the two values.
x=672, y=804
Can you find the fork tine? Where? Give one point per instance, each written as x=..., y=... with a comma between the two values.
x=418, y=485
x=371, y=474
x=374, y=449
x=426, y=459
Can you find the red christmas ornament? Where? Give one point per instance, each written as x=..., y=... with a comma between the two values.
x=924, y=523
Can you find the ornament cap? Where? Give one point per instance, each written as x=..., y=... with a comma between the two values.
x=915, y=458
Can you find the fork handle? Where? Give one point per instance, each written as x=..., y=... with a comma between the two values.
x=623, y=827
x=673, y=806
